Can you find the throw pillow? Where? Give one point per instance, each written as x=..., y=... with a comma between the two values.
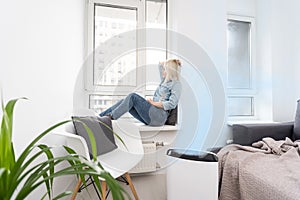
x=172, y=118
x=103, y=135
x=297, y=122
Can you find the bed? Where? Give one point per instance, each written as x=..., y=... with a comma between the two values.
x=263, y=164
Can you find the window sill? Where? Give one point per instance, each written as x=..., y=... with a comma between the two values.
x=145, y=128
x=231, y=123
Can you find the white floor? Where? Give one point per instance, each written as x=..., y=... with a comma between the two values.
x=148, y=187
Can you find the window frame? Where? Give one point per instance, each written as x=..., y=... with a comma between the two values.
x=252, y=90
x=89, y=42
x=107, y=90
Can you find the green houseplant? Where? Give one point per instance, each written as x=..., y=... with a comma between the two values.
x=19, y=176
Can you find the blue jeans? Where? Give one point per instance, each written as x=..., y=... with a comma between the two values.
x=139, y=108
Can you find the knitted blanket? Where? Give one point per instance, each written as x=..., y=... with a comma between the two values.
x=268, y=170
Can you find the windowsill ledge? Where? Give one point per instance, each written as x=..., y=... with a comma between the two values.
x=231, y=123
x=145, y=128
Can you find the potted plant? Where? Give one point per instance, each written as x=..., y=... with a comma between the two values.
x=19, y=176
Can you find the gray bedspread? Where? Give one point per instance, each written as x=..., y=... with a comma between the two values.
x=268, y=170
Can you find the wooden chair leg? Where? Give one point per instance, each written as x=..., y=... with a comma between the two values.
x=76, y=189
x=131, y=186
x=103, y=188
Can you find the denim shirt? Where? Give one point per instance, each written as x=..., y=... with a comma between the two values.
x=167, y=92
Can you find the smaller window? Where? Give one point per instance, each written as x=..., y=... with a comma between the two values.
x=241, y=71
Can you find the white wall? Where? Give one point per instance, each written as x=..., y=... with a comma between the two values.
x=204, y=22
x=245, y=7
x=264, y=60
x=285, y=58
x=41, y=53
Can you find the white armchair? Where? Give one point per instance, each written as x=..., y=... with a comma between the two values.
x=117, y=162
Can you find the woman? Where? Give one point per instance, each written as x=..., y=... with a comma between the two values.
x=153, y=112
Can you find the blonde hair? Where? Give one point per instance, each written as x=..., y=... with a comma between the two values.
x=172, y=68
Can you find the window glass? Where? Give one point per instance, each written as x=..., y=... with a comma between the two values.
x=156, y=17
x=110, y=21
x=239, y=66
x=240, y=106
x=99, y=103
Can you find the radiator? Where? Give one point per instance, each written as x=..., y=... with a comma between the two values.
x=148, y=163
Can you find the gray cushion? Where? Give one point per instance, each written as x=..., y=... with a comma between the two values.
x=297, y=122
x=104, y=136
x=172, y=117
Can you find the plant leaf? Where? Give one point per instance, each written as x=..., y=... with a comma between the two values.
x=91, y=137
x=26, y=153
x=50, y=156
x=17, y=173
x=29, y=148
x=7, y=155
x=14, y=172
x=3, y=182
x=62, y=195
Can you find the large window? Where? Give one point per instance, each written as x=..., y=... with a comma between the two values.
x=113, y=25
x=241, y=71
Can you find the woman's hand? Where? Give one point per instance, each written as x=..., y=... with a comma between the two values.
x=150, y=101
x=157, y=104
